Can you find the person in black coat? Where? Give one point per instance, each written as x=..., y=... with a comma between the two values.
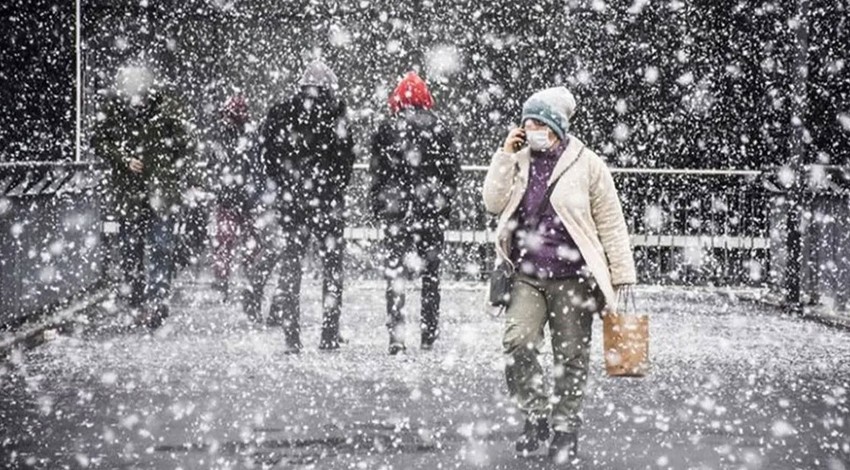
x=144, y=138
x=309, y=155
x=414, y=171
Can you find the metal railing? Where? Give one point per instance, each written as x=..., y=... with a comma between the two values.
x=694, y=227
x=810, y=221
x=50, y=235
x=20, y=179
x=687, y=226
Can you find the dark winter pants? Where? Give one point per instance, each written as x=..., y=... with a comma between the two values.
x=567, y=306
x=413, y=249
x=146, y=228
x=286, y=303
x=232, y=225
x=194, y=238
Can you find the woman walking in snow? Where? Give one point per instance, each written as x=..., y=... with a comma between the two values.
x=561, y=228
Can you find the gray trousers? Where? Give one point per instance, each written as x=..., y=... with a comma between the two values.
x=567, y=306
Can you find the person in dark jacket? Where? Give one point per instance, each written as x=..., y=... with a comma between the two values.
x=309, y=155
x=414, y=171
x=236, y=184
x=141, y=134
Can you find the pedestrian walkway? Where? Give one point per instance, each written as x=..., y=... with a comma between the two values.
x=733, y=385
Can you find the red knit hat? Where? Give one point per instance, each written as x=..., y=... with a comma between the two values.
x=236, y=109
x=411, y=92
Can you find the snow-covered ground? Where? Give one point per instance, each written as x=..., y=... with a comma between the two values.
x=733, y=385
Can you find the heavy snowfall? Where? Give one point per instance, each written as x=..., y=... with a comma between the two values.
x=370, y=234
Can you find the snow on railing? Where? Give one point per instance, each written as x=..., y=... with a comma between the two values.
x=18, y=179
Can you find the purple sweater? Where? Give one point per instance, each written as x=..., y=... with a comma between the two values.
x=542, y=247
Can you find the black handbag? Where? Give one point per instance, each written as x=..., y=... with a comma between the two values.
x=501, y=278
x=501, y=282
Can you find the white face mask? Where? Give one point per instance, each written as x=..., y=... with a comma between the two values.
x=538, y=140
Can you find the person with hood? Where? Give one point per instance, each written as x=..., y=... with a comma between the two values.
x=236, y=185
x=561, y=228
x=141, y=134
x=309, y=155
x=414, y=169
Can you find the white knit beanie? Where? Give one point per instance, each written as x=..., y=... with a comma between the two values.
x=553, y=107
x=318, y=74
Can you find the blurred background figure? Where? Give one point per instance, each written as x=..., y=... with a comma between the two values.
x=236, y=179
x=141, y=134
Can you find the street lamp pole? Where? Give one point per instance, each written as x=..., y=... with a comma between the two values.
x=795, y=269
x=79, y=88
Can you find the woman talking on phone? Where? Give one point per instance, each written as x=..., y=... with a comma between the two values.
x=561, y=230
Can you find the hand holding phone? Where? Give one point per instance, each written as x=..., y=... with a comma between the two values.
x=515, y=140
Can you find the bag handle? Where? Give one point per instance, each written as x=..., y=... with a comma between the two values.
x=628, y=298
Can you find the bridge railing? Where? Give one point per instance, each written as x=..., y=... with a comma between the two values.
x=688, y=226
x=693, y=227
x=810, y=239
x=50, y=235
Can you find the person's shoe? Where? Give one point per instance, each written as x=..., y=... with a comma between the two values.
x=223, y=287
x=330, y=341
x=534, y=431
x=396, y=346
x=251, y=307
x=293, y=346
x=159, y=316
x=151, y=317
x=397, y=339
x=427, y=342
x=272, y=322
x=156, y=322
x=564, y=447
x=135, y=320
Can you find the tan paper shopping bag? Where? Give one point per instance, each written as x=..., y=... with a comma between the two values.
x=626, y=342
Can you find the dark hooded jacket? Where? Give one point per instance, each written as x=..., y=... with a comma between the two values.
x=155, y=133
x=309, y=154
x=414, y=169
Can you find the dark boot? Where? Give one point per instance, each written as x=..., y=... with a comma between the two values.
x=292, y=333
x=332, y=287
x=273, y=322
x=429, y=325
x=395, y=323
x=222, y=286
x=533, y=432
x=428, y=339
x=564, y=447
x=396, y=348
x=251, y=305
x=293, y=345
x=396, y=341
x=152, y=317
x=159, y=318
x=330, y=340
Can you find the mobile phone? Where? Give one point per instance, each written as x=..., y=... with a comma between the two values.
x=523, y=142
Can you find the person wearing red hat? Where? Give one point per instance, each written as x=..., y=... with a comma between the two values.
x=414, y=169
